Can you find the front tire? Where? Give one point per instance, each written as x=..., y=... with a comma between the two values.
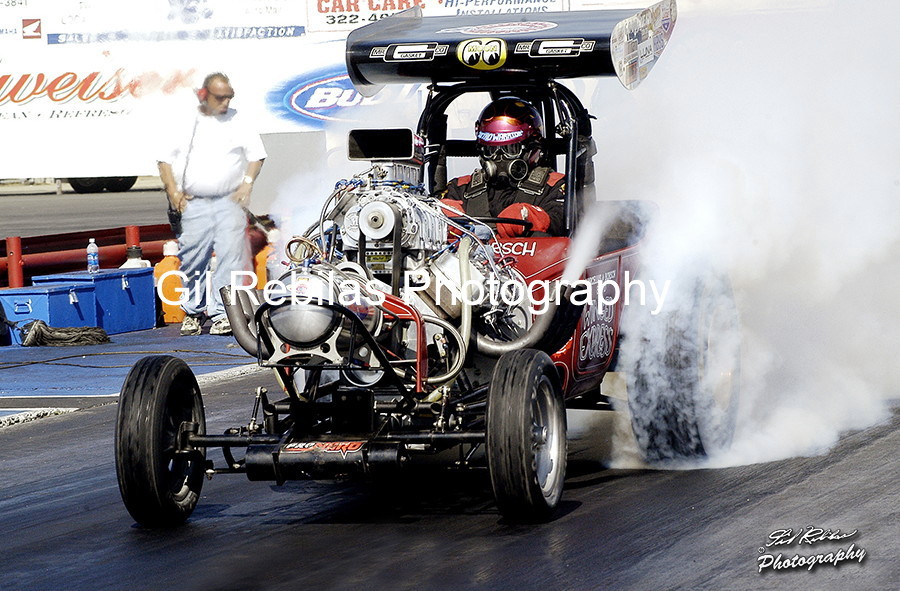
x=526, y=436
x=160, y=486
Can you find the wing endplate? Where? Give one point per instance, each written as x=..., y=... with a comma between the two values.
x=639, y=40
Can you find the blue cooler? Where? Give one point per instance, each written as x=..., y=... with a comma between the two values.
x=59, y=305
x=125, y=298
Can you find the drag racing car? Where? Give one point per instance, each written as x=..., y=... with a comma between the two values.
x=404, y=333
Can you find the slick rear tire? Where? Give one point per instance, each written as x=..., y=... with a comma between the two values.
x=526, y=436
x=683, y=371
x=160, y=487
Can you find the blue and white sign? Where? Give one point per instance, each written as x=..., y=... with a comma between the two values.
x=317, y=98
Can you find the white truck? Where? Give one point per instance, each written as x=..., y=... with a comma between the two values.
x=85, y=84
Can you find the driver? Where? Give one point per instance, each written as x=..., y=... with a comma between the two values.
x=510, y=184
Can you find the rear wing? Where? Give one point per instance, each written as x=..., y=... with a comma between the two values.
x=509, y=48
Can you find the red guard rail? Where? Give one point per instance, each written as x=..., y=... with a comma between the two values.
x=23, y=258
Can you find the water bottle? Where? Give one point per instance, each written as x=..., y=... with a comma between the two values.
x=93, y=257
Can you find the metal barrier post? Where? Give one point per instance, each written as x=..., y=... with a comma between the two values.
x=132, y=236
x=14, y=261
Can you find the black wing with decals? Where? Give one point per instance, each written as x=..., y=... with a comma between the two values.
x=509, y=48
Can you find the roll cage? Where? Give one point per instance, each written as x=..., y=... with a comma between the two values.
x=567, y=124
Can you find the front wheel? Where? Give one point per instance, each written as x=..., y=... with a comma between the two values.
x=526, y=435
x=159, y=483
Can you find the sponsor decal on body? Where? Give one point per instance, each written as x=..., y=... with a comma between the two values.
x=502, y=28
x=330, y=447
x=597, y=334
x=482, y=54
x=555, y=47
x=409, y=52
x=527, y=248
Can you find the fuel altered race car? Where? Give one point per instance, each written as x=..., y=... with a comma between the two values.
x=404, y=334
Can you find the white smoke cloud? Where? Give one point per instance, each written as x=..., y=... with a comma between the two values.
x=770, y=138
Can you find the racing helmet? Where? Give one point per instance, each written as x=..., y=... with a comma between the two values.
x=508, y=134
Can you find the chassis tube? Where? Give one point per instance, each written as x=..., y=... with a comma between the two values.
x=462, y=437
x=240, y=326
x=230, y=440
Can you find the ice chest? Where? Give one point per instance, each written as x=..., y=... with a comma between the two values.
x=59, y=305
x=125, y=299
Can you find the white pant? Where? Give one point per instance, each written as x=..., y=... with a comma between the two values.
x=211, y=224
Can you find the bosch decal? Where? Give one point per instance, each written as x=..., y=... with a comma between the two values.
x=330, y=447
x=482, y=54
x=516, y=248
x=409, y=52
x=555, y=47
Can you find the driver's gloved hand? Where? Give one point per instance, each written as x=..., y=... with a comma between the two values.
x=540, y=220
x=456, y=204
x=459, y=206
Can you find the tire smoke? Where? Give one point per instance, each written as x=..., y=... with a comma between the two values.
x=769, y=138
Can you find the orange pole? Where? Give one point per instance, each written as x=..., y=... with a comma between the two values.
x=132, y=236
x=14, y=258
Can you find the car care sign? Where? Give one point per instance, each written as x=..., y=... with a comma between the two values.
x=345, y=15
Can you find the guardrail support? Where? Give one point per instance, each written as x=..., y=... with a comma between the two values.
x=132, y=236
x=14, y=259
x=22, y=258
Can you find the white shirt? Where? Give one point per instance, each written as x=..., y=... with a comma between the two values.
x=210, y=157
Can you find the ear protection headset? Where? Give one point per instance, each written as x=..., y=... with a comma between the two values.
x=203, y=93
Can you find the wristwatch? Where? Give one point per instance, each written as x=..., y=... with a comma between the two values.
x=248, y=179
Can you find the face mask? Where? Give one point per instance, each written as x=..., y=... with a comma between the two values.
x=505, y=171
x=508, y=164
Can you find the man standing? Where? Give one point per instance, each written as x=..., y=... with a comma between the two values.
x=208, y=172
